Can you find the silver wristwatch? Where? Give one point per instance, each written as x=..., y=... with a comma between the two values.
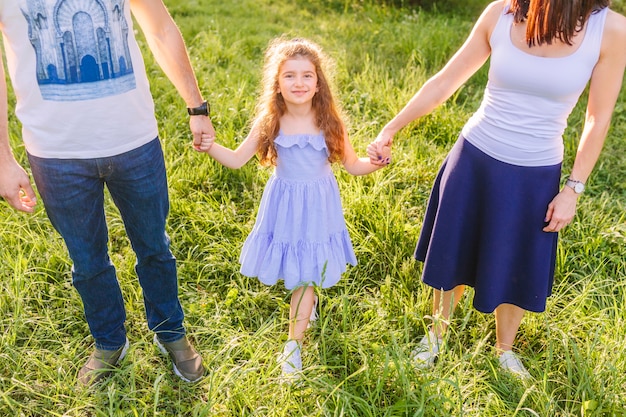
x=577, y=186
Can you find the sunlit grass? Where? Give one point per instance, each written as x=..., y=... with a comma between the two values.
x=356, y=356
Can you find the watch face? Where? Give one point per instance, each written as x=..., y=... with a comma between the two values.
x=579, y=187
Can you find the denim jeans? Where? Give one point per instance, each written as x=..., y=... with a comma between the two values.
x=72, y=191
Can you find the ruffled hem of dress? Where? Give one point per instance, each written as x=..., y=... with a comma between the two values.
x=317, y=141
x=304, y=263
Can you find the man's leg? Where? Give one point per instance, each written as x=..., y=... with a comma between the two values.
x=138, y=186
x=72, y=193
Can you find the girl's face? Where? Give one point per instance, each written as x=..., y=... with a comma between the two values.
x=297, y=80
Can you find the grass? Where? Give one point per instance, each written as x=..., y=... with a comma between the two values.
x=356, y=356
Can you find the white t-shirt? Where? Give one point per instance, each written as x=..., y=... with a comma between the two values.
x=78, y=76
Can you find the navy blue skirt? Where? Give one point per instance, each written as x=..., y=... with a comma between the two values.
x=483, y=228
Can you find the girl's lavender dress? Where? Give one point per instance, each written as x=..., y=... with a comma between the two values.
x=300, y=234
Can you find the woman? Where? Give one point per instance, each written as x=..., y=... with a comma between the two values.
x=495, y=208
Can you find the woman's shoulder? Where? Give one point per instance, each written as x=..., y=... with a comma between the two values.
x=614, y=37
x=491, y=15
x=615, y=22
x=499, y=5
x=496, y=8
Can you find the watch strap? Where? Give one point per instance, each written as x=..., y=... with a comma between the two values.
x=203, y=110
x=577, y=186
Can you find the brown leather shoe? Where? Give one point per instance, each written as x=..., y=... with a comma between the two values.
x=100, y=364
x=186, y=361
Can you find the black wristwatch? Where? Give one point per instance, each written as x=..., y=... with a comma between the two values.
x=203, y=110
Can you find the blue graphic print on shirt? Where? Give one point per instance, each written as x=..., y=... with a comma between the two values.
x=81, y=48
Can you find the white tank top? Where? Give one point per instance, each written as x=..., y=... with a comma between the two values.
x=528, y=98
x=78, y=76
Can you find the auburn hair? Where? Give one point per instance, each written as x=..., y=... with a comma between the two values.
x=271, y=105
x=550, y=20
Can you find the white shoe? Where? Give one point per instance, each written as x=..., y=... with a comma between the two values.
x=313, y=316
x=510, y=362
x=290, y=359
x=426, y=351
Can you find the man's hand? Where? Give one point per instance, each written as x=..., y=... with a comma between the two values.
x=202, y=131
x=15, y=187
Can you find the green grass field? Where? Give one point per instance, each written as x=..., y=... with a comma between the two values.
x=356, y=355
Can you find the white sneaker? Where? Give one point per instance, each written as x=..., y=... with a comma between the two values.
x=510, y=362
x=290, y=359
x=426, y=351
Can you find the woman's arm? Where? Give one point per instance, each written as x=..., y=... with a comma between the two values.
x=463, y=64
x=604, y=88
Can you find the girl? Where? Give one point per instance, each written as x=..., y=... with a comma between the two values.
x=503, y=173
x=300, y=233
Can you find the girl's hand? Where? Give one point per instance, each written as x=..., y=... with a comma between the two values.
x=206, y=140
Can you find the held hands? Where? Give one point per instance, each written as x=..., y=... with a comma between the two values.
x=206, y=140
x=384, y=157
x=379, y=151
x=561, y=210
x=202, y=131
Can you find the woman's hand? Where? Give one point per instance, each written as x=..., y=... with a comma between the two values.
x=379, y=151
x=561, y=210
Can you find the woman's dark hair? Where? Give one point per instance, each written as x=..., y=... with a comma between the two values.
x=548, y=20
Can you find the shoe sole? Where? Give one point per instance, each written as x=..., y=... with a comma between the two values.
x=176, y=371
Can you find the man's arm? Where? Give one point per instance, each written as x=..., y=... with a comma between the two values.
x=14, y=181
x=168, y=47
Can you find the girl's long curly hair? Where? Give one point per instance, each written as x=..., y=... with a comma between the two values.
x=271, y=105
x=550, y=20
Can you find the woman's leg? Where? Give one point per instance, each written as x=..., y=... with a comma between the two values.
x=508, y=319
x=444, y=303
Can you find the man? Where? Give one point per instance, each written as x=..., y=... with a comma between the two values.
x=88, y=121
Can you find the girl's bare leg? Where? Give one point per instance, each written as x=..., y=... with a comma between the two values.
x=302, y=300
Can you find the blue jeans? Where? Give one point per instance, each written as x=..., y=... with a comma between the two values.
x=72, y=191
